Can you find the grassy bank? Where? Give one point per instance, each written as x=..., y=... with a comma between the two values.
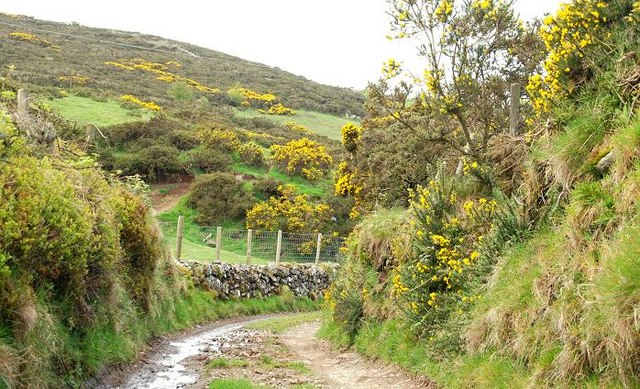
x=62, y=356
x=518, y=334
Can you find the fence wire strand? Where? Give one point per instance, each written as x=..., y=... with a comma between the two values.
x=199, y=243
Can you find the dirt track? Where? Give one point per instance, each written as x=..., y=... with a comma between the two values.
x=229, y=350
x=344, y=369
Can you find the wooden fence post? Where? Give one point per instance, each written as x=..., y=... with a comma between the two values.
x=23, y=104
x=278, y=246
x=249, y=236
x=514, y=112
x=179, y=235
x=218, y=243
x=318, y=248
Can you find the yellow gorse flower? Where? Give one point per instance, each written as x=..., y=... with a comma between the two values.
x=143, y=104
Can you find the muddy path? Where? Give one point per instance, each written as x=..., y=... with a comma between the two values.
x=230, y=350
x=166, y=196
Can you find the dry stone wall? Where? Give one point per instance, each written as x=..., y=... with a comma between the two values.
x=238, y=281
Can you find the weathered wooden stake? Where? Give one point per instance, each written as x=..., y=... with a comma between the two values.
x=23, y=104
x=218, y=243
x=514, y=113
x=318, y=248
x=249, y=236
x=279, y=246
x=179, y=235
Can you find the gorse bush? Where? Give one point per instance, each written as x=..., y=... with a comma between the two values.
x=124, y=134
x=155, y=163
x=279, y=109
x=218, y=138
x=350, y=136
x=302, y=156
x=251, y=154
x=71, y=237
x=183, y=139
x=218, y=197
x=209, y=160
x=289, y=212
x=375, y=249
x=446, y=243
x=267, y=187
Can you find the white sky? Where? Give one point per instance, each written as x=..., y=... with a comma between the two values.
x=336, y=42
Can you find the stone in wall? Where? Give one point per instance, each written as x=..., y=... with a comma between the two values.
x=243, y=281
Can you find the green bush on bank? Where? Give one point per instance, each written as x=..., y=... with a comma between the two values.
x=84, y=281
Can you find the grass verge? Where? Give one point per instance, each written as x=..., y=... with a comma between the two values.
x=234, y=383
x=392, y=342
x=281, y=324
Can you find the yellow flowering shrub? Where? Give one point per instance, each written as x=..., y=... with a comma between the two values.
x=347, y=184
x=253, y=98
x=150, y=105
x=219, y=138
x=251, y=154
x=298, y=128
x=77, y=80
x=448, y=235
x=30, y=38
x=302, y=156
x=566, y=35
x=279, y=109
x=350, y=135
x=391, y=68
x=288, y=212
x=161, y=71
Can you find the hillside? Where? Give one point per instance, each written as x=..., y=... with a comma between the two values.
x=172, y=112
x=72, y=50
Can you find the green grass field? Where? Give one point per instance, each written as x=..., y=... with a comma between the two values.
x=88, y=111
x=320, y=123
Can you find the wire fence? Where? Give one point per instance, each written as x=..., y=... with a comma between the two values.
x=249, y=246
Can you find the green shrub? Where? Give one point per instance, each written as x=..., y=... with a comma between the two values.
x=155, y=163
x=123, y=134
x=209, y=160
x=141, y=248
x=217, y=197
x=180, y=91
x=73, y=245
x=267, y=187
x=183, y=139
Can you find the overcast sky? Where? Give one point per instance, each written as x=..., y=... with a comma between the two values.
x=336, y=42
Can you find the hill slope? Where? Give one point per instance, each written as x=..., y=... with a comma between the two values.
x=50, y=53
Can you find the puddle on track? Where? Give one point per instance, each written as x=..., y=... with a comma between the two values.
x=167, y=370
